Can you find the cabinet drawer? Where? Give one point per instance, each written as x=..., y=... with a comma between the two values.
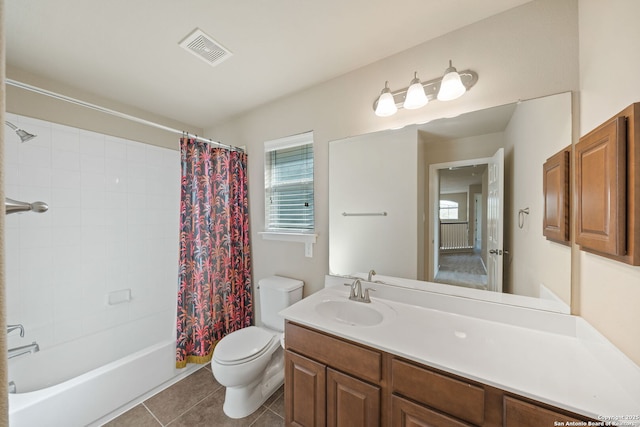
x=409, y=414
x=458, y=398
x=359, y=361
x=518, y=413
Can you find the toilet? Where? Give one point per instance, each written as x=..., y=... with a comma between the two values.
x=250, y=362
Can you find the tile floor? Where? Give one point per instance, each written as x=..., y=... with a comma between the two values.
x=196, y=401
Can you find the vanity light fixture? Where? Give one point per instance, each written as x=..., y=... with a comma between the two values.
x=452, y=85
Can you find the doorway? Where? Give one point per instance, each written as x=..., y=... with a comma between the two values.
x=460, y=249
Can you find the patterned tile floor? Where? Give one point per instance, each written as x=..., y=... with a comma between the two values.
x=196, y=401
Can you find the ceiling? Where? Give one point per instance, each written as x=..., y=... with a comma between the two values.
x=127, y=51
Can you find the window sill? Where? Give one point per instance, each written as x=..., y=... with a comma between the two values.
x=307, y=238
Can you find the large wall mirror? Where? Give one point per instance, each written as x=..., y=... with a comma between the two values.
x=456, y=201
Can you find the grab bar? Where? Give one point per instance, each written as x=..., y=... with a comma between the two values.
x=15, y=206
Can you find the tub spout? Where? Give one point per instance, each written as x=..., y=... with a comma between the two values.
x=19, y=351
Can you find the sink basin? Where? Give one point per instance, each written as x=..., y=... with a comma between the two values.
x=353, y=313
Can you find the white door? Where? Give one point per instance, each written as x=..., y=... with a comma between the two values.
x=495, y=221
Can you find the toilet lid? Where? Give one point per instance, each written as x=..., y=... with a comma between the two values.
x=242, y=344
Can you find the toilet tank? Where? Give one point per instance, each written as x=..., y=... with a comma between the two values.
x=276, y=294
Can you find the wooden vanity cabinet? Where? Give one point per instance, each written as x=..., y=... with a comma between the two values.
x=334, y=382
x=607, y=162
x=555, y=184
x=329, y=381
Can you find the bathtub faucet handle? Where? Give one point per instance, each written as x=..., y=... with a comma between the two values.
x=11, y=328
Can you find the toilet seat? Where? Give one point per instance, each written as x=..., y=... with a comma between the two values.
x=243, y=345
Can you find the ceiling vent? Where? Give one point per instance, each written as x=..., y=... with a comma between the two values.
x=205, y=48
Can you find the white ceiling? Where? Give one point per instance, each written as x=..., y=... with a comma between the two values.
x=128, y=51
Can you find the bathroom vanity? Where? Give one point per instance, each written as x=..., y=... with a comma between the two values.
x=413, y=358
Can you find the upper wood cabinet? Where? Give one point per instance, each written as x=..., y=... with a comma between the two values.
x=555, y=186
x=608, y=188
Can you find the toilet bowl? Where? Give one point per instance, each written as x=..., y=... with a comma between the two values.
x=250, y=362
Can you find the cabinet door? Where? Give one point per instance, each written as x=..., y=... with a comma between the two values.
x=555, y=184
x=409, y=414
x=601, y=189
x=351, y=402
x=304, y=392
x=524, y=414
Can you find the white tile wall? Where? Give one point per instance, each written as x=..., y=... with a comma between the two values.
x=112, y=224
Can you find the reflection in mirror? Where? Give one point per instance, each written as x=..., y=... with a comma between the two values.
x=392, y=192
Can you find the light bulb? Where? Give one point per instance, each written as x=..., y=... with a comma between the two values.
x=386, y=104
x=415, y=97
x=451, y=86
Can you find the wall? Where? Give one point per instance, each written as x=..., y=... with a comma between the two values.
x=112, y=224
x=608, y=292
x=473, y=190
x=30, y=104
x=538, y=129
x=523, y=53
x=374, y=173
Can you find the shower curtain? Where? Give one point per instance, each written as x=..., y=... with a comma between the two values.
x=214, y=295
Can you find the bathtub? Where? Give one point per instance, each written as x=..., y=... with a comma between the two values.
x=87, y=381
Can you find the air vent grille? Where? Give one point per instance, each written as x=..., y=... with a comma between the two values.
x=205, y=48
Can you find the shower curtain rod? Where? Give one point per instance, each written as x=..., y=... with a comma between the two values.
x=115, y=113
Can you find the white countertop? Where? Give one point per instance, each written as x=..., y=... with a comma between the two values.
x=552, y=358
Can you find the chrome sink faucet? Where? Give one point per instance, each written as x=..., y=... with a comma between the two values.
x=357, y=293
x=371, y=274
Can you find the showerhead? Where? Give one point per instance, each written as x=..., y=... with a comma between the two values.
x=23, y=134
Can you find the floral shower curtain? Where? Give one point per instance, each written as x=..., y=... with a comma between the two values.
x=214, y=296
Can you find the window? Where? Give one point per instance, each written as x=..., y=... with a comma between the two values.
x=448, y=209
x=289, y=184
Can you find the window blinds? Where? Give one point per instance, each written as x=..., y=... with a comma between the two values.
x=289, y=202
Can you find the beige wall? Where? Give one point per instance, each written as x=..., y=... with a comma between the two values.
x=375, y=173
x=523, y=53
x=607, y=293
x=538, y=129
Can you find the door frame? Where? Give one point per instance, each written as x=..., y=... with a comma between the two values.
x=434, y=205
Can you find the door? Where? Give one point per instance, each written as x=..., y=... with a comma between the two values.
x=351, y=402
x=495, y=221
x=305, y=393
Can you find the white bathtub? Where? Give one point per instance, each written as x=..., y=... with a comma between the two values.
x=81, y=382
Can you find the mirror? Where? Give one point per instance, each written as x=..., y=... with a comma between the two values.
x=395, y=196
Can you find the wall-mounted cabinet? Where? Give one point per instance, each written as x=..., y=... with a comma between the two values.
x=556, y=186
x=608, y=188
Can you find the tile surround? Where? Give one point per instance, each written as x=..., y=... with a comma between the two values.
x=112, y=224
